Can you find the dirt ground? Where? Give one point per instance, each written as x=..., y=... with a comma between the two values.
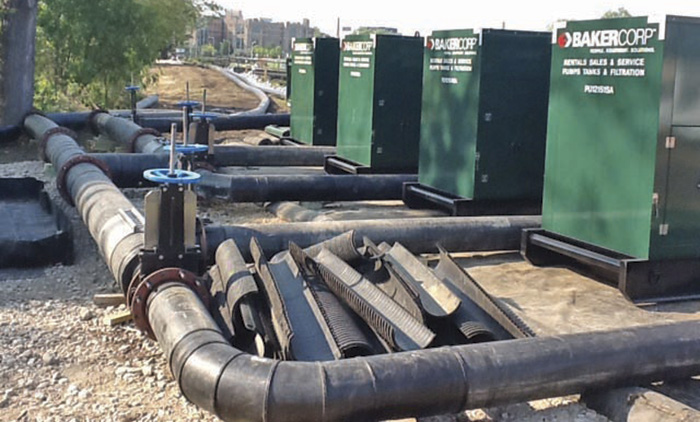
x=221, y=92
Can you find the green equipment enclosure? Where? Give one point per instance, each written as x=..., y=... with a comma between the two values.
x=314, y=99
x=483, y=121
x=379, y=104
x=622, y=175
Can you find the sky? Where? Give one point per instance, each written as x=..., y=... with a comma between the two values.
x=425, y=16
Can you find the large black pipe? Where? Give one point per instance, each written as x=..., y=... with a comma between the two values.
x=133, y=136
x=271, y=156
x=153, y=120
x=306, y=187
x=127, y=133
x=127, y=169
x=112, y=220
x=419, y=235
x=240, y=387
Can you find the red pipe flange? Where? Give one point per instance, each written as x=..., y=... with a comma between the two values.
x=50, y=133
x=63, y=173
x=151, y=283
x=143, y=131
x=91, y=120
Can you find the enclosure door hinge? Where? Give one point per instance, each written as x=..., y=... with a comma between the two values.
x=663, y=229
x=670, y=142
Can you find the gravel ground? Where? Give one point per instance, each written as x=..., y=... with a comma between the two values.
x=59, y=361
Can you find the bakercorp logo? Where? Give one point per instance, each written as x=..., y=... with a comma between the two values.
x=632, y=37
x=452, y=44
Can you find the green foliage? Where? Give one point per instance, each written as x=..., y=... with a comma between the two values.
x=208, y=50
x=88, y=51
x=619, y=13
x=225, y=48
x=271, y=52
x=370, y=30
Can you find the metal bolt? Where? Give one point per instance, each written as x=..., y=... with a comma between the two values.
x=161, y=257
x=179, y=256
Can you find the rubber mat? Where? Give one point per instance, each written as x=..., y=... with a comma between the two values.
x=34, y=232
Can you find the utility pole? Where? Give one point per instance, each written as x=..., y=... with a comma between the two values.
x=17, y=49
x=337, y=28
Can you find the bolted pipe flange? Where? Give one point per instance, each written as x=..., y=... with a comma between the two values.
x=152, y=282
x=44, y=140
x=33, y=112
x=91, y=120
x=63, y=173
x=131, y=142
x=131, y=290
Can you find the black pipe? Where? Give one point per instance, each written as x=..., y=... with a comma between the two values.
x=134, y=137
x=150, y=119
x=127, y=133
x=419, y=235
x=223, y=123
x=240, y=387
x=127, y=169
x=283, y=187
x=270, y=156
x=113, y=221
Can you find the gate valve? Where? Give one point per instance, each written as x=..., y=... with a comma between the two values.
x=203, y=129
x=171, y=214
x=131, y=89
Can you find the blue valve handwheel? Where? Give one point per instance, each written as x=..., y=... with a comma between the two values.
x=200, y=115
x=178, y=177
x=132, y=88
x=187, y=104
x=187, y=149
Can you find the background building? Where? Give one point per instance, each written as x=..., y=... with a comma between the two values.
x=245, y=34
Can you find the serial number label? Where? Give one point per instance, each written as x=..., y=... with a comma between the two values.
x=599, y=89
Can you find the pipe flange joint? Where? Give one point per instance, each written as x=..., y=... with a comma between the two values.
x=143, y=131
x=91, y=120
x=43, y=142
x=131, y=290
x=150, y=284
x=61, y=184
x=31, y=113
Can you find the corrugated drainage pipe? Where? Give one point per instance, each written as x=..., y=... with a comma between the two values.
x=240, y=387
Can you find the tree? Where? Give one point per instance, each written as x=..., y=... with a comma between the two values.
x=268, y=52
x=374, y=30
x=208, y=50
x=90, y=50
x=619, y=13
x=225, y=48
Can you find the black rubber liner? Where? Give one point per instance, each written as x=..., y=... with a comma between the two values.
x=35, y=231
